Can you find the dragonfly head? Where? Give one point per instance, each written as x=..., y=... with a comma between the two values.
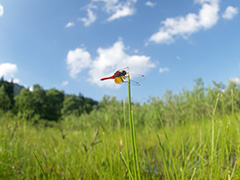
x=124, y=73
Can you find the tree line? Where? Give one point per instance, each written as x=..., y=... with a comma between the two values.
x=44, y=104
x=173, y=108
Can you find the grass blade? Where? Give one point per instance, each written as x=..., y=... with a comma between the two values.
x=133, y=136
x=126, y=165
x=45, y=175
x=126, y=140
x=71, y=173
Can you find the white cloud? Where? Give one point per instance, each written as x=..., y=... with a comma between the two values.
x=70, y=24
x=234, y=80
x=150, y=4
x=178, y=58
x=77, y=60
x=162, y=70
x=111, y=59
x=184, y=26
x=8, y=70
x=206, y=1
x=1, y=10
x=117, y=9
x=136, y=51
x=64, y=83
x=122, y=12
x=16, y=80
x=208, y=15
x=30, y=88
x=120, y=9
x=90, y=19
x=230, y=12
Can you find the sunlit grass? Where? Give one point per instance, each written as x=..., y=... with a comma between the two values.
x=185, y=153
x=100, y=145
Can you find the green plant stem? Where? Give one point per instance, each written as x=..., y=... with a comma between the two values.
x=194, y=171
x=183, y=159
x=126, y=141
x=132, y=130
x=164, y=158
x=127, y=165
x=168, y=146
x=45, y=175
x=232, y=104
x=212, y=152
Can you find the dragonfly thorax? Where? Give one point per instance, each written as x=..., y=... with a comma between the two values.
x=120, y=73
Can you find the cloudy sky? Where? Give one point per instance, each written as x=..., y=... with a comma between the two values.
x=70, y=45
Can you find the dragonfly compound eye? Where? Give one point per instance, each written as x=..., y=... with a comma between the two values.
x=124, y=73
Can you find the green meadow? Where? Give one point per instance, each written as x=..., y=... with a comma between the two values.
x=189, y=135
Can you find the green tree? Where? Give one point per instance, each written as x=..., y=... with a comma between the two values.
x=54, y=102
x=88, y=104
x=9, y=89
x=5, y=101
x=72, y=105
x=39, y=101
x=25, y=104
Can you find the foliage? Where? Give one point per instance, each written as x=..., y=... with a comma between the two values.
x=89, y=146
x=9, y=89
x=174, y=108
x=5, y=101
x=24, y=104
x=72, y=105
x=40, y=104
x=191, y=135
x=54, y=103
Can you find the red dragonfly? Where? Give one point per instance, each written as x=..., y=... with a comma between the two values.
x=120, y=76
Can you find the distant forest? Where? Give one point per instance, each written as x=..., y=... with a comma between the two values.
x=53, y=105
x=42, y=104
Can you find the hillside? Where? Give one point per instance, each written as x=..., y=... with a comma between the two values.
x=42, y=104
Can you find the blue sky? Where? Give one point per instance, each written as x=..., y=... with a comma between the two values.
x=70, y=45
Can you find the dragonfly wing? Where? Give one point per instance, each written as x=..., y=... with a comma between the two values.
x=134, y=83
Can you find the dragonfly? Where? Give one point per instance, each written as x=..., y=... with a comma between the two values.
x=121, y=76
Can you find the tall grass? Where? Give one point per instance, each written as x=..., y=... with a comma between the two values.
x=189, y=136
x=184, y=153
x=137, y=174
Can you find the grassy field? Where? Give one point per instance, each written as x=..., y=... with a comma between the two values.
x=204, y=149
x=185, y=142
